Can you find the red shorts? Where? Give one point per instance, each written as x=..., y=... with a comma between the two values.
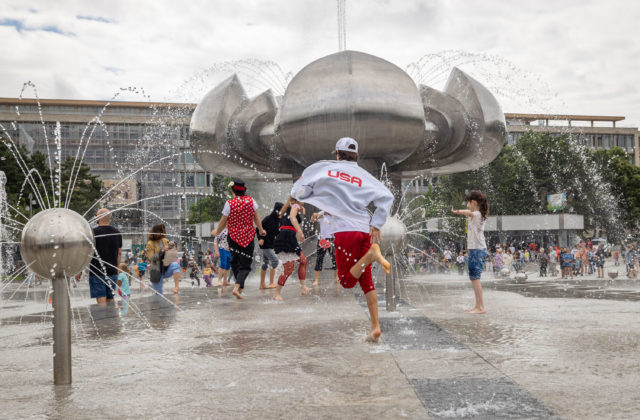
x=349, y=248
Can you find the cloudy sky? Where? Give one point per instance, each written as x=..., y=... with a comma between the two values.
x=574, y=57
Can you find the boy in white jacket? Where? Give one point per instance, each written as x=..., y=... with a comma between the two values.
x=340, y=187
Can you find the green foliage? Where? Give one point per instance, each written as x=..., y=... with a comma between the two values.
x=208, y=209
x=601, y=185
x=87, y=190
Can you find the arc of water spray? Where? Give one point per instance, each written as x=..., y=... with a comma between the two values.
x=24, y=168
x=44, y=128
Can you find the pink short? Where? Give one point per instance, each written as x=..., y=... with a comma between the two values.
x=349, y=248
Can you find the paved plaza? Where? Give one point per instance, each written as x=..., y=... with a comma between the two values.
x=546, y=349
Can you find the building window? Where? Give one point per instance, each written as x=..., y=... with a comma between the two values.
x=199, y=180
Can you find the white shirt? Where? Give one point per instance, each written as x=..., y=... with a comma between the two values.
x=475, y=232
x=227, y=208
x=326, y=223
x=345, y=190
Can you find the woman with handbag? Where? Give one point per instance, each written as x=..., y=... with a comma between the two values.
x=156, y=245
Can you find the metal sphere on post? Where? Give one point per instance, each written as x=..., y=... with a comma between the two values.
x=57, y=244
x=394, y=239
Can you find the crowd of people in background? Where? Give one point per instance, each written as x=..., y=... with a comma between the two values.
x=584, y=258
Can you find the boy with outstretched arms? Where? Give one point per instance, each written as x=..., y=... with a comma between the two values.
x=343, y=189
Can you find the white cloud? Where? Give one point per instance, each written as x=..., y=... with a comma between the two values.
x=588, y=52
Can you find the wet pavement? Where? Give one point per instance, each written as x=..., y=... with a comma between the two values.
x=545, y=349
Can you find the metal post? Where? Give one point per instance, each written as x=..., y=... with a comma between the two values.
x=390, y=289
x=61, y=332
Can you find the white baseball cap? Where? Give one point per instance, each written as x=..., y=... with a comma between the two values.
x=347, y=144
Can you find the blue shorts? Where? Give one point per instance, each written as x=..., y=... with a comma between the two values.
x=225, y=259
x=101, y=286
x=174, y=267
x=476, y=263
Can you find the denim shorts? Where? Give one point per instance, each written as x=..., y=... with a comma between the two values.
x=225, y=259
x=269, y=258
x=101, y=286
x=174, y=267
x=476, y=263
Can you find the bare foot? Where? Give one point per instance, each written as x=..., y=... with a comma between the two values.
x=373, y=335
x=262, y=286
x=304, y=290
x=475, y=310
x=226, y=284
x=272, y=286
x=278, y=298
x=375, y=248
x=237, y=294
x=175, y=291
x=315, y=283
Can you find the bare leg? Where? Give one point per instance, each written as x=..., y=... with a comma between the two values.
x=303, y=288
x=272, y=276
x=225, y=276
x=317, y=277
x=477, y=290
x=372, y=304
x=335, y=276
x=372, y=255
x=263, y=275
x=176, y=280
x=282, y=280
x=278, y=296
x=237, y=291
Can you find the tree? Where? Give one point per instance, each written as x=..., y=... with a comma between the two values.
x=16, y=163
x=209, y=208
x=87, y=190
x=601, y=185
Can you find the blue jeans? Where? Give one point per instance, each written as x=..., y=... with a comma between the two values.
x=157, y=286
x=269, y=258
x=476, y=263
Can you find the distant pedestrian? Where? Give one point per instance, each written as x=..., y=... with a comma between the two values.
x=543, y=261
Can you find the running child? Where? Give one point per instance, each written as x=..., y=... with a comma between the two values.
x=207, y=272
x=343, y=189
x=477, y=212
x=287, y=246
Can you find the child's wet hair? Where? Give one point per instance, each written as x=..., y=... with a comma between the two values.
x=480, y=198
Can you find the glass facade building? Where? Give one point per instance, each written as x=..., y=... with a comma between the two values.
x=116, y=140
